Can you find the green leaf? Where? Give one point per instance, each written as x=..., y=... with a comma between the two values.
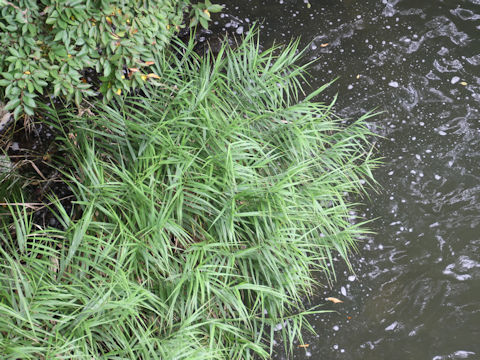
x=14, y=52
x=107, y=69
x=62, y=24
x=59, y=35
x=28, y=110
x=12, y=91
x=17, y=112
x=215, y=8
x=7, y=76
x=30, y=86
x=203, y=22
x=29, y=102
x=56, y=89
x=12, y=104
x=78, y=97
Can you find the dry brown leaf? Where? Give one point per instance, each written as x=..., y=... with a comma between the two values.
x=148, y=63
x=323, y=45
x=304, y=345
x=334, y=300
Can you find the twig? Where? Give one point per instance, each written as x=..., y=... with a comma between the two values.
x=28, y=205
x=33, y=206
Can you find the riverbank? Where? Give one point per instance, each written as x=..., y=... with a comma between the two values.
x=199, y=210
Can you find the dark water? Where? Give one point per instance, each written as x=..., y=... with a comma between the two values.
x=416, y=289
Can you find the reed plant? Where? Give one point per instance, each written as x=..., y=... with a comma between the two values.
x=203, y=207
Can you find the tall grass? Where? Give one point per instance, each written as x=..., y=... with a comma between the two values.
x=203, y=207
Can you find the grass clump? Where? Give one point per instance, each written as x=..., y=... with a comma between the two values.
x=202, y=209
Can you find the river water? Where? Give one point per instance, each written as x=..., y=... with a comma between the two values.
x=415, y=293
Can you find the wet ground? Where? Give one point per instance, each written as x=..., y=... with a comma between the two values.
x=27, y=161
x=415, y=293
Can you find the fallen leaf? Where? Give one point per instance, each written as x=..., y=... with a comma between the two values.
x=349, y=318
x=358, y=76
x=133, y=70
x=334, y=300
x=148, y=63
x=304, y=345
x=152, y=75
x=323, y=45
x=463, y=83
x=144, y=77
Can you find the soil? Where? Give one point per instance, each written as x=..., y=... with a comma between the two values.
x=30, y=152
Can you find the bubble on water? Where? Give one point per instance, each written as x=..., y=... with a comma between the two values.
x=455, y=79
x=336, y=328
x=437, y=177
x=335, y=347
x=352, y=278
x=460, y=354
x=393, y=84
x=462, y=269
x=343, y=291
x=392, y=326
x=442, y=133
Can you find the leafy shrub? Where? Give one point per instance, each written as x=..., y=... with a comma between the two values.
x=46, y=46
x=202, y=210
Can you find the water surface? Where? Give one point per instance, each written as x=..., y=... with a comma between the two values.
x=415, y=293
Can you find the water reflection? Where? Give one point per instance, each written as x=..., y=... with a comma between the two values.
x=415, y=293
